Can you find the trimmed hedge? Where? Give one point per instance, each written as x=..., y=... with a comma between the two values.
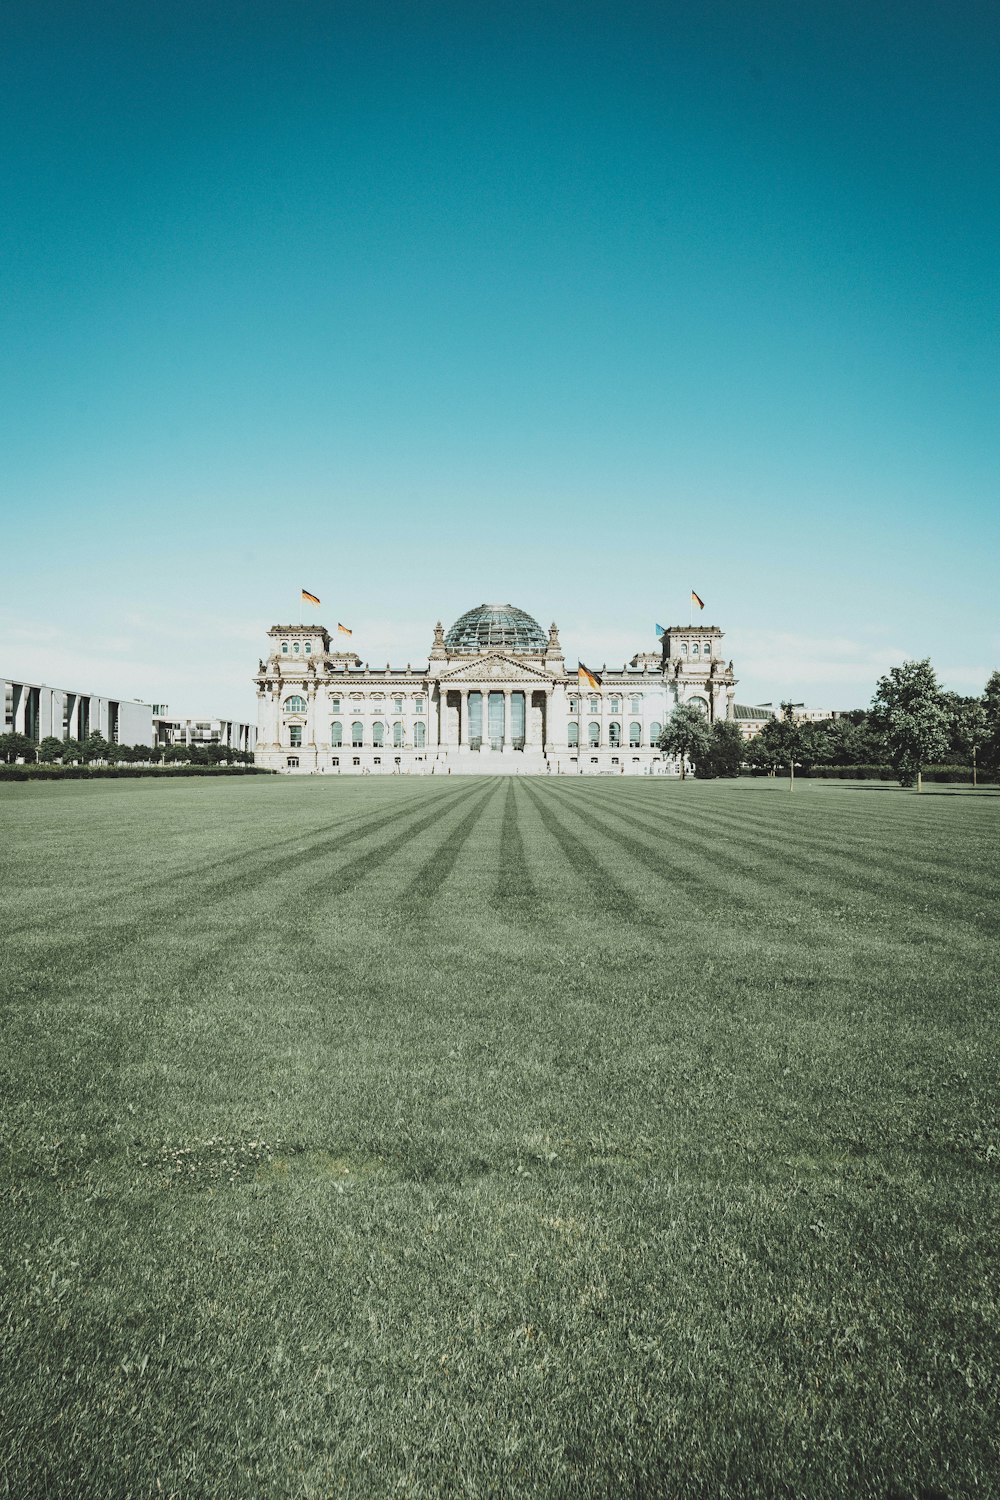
x=122, y=773
x=961, y=774
x=850, y=773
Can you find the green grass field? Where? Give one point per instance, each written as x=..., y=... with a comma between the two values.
x=498, y=1138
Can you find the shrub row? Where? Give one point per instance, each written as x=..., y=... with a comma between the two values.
x=850, y=773
x=116, y=773
x=886, y=773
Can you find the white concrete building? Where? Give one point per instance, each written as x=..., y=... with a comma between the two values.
x=494, y=696
x=36, y=710
x=230, y=733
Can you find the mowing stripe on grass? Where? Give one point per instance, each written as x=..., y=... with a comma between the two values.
x=613, y=898
x=116, y=933
x=514, y=889
x=436, y=868
x=798, y=874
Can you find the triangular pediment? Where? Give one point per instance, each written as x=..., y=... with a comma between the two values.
x=495, y=667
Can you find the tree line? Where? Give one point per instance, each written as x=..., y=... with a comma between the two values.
x=95, y=749
x=912, y=723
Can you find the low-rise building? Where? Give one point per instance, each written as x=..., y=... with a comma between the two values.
x=37, y=711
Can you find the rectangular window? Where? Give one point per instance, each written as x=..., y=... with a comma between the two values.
x=397, y=705
x=418, y=705
x=335, y=760
x=335, y=705
x=295, y=734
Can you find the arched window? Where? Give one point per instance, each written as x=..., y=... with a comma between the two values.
x=614, y=735
x=295, y=704
x=616, y=705
x=378, y=733
x=694, y=648
x=573, y=736
x=634, y=734
x=684, y=648
x=397, y=734
x=700, y=705
x=420, y=734
x=337, y=733
x=357, y=732
x=284, y=648
x=594, y=734
x=655, y=730
x=295, y=647
x=309, y=648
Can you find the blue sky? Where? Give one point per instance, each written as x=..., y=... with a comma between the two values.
x=577, y=305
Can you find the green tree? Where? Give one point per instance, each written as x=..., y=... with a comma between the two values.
x=908, y=709
x=991, y=711
x=778, y=744
x=71, y=751
x=967, y=728
x=849, y=740
x=725, y=752
x=50, y=750
x=15, y=746
x=94, y=747
x=687, y=735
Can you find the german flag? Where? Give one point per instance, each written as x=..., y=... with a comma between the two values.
x=343, y=630
x=586, y=679
x=308, y=598
x=695, y=600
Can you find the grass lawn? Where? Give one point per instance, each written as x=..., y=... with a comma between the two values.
x=498, y=1137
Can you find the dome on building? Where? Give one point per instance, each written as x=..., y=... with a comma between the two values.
x=490, y=626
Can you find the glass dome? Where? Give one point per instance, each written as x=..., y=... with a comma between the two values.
x=489, y=626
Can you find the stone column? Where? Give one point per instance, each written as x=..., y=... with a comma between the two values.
x=508, y=738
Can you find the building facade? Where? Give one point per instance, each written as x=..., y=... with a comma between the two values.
x=36, y=710
x=495, y=695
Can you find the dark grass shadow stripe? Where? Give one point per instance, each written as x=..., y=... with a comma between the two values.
x=803, y=861
x=514, y=890
x=301, y=843
x=614, y=899
x=685, y=880
x=434, y=871
x=93, y=948
x=702, y=869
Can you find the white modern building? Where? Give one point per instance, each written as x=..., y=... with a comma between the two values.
x=495, y=695
x=36, y=710
x=232, y=734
